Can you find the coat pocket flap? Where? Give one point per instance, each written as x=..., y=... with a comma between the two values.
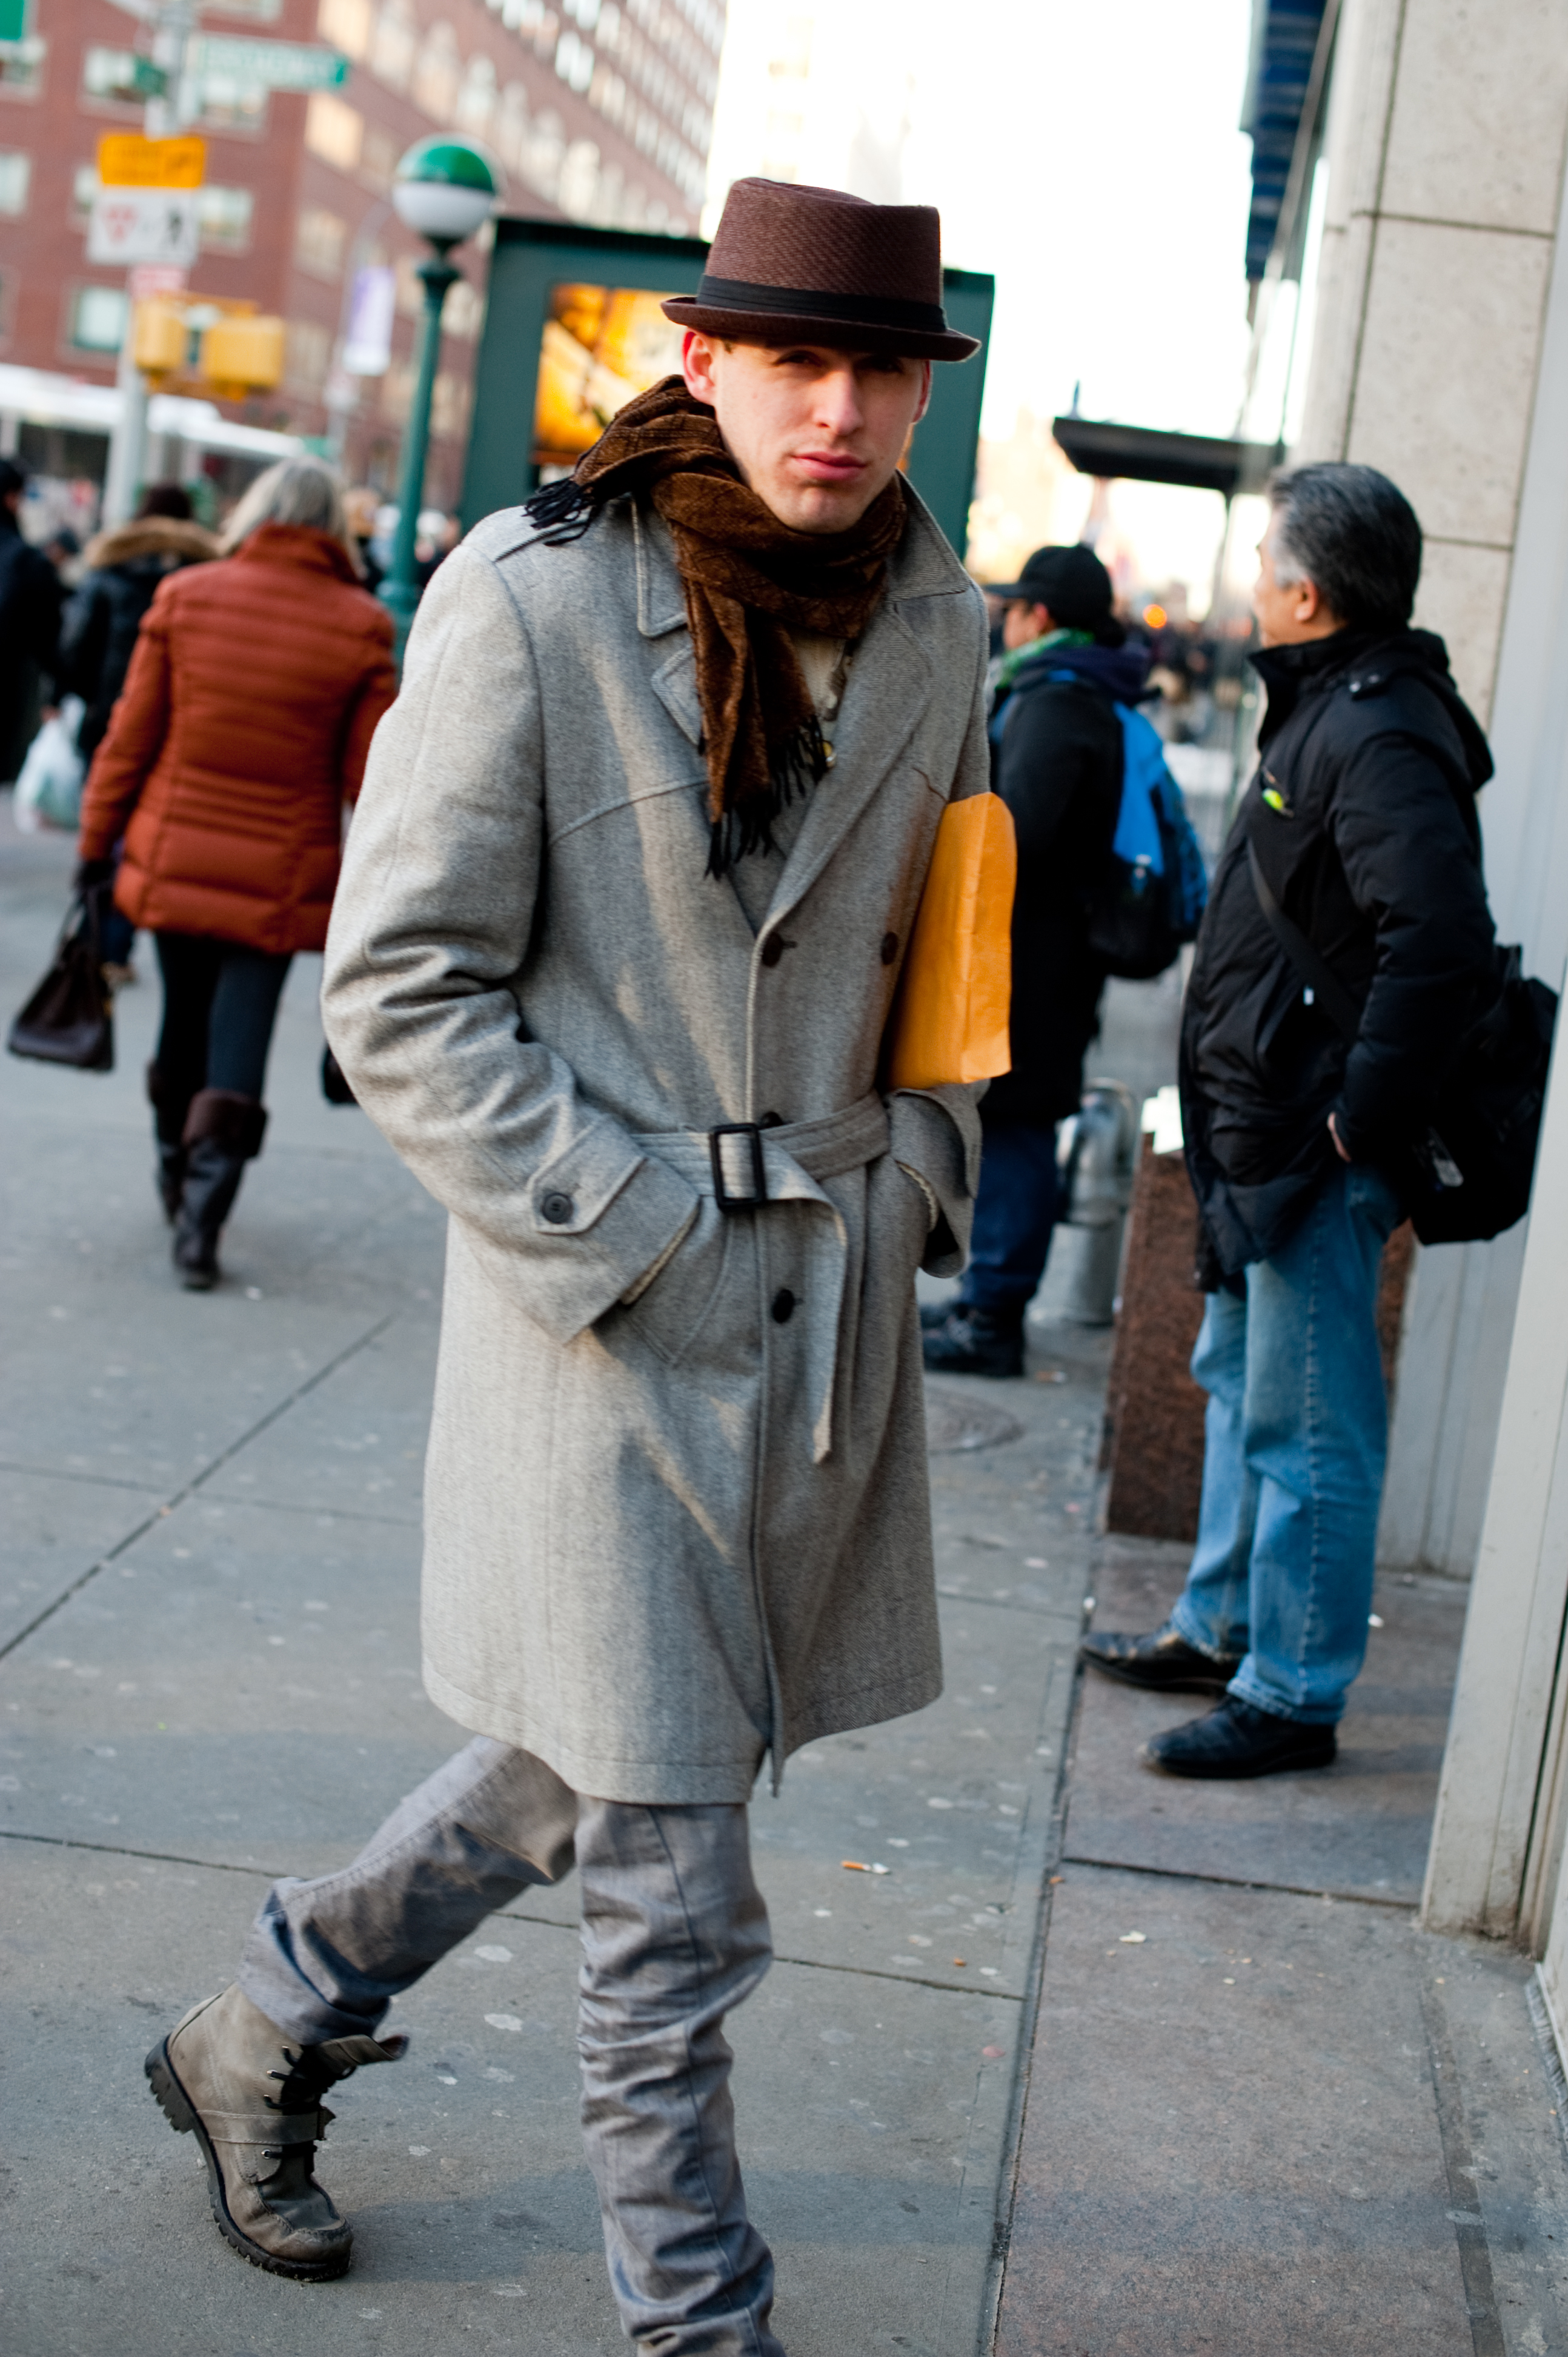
x=576, y=1187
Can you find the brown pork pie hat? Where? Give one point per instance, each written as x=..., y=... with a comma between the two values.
x=791, y=262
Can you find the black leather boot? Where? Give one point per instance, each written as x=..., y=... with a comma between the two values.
x=170, y=1106
x=1236, y=1741
x=975, y=1342
x=1164, y=1663
x=223, y=1133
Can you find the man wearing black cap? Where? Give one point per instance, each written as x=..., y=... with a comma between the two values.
x=1057, y=763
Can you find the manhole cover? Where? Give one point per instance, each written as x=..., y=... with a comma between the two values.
x=956, y=1420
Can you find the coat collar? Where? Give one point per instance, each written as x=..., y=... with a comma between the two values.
x=298, y=544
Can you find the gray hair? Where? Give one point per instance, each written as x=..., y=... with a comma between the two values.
x=301, y=491
x=1350, y=533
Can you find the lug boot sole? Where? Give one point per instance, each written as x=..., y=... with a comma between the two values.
x=186, y=2120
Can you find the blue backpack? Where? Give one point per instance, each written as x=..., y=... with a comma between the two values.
x=1152, y=894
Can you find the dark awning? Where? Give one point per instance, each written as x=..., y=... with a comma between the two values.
x=1285, y=40
x=1199, y=461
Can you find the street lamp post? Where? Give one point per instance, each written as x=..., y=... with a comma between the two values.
x=445, y=190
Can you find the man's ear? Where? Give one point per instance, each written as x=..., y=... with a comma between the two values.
x=925, y=401
x=697, y=367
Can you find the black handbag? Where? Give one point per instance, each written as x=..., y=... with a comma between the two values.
x=1468, y=1175
x=335, y=1081
x=70, y=1018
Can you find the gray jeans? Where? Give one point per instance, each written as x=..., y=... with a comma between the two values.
x=674, y=1933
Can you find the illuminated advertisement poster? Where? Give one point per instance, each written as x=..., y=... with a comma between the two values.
x=601, y=346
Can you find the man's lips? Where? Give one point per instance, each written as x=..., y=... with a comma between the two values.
x=830, y=466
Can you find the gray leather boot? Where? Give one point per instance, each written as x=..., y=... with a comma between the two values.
x=252, y=2099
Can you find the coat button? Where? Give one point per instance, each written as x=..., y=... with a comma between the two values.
x=772, y=949
x=783, y=1305
x=890, y=948
x=557, y=1208
x=771, y=1121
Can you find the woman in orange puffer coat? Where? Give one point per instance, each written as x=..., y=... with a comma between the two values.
x=247, y=713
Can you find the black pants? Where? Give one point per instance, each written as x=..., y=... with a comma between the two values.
x=220, y=1001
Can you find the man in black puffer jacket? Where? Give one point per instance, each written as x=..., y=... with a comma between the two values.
x=1361, y=825
x=1056, y=761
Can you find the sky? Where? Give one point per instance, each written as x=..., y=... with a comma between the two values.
x=1087, y=154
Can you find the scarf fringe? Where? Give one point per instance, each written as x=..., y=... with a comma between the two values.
x=566, y=508
x=794, y=767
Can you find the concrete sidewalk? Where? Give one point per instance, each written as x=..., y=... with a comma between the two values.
x=975, y=2113
x=211, y=1675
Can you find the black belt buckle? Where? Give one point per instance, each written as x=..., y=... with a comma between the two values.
x=722, y=1196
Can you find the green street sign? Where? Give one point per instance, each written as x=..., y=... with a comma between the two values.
x=14, y=15
x=264, y=65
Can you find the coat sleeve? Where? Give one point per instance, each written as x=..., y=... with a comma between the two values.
x=377, y=692
x=134, y=741
x=936, y=1132
x=1414, y=867
x=441, y=879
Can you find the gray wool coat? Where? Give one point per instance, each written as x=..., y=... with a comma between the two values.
x=671, y=1522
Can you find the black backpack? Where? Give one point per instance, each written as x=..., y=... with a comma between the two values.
x=1467, y=1178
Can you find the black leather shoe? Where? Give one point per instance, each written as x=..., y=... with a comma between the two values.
x=1236, y=1741
x=971, y=1342
x=1164, y=1663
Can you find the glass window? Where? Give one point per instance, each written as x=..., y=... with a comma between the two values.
x=83, y=187
x=333, y=131
x=396, y=38
x=225, y=216
x=15, y=171
x=21, y=67
x=98, y=318
x=318, y=240
x=346, y=25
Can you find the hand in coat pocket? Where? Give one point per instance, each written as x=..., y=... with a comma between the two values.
x=670, y=1312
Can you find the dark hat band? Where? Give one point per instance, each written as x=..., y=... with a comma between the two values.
x=816, y=303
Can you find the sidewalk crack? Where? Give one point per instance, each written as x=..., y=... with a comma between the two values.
x=188, y=1490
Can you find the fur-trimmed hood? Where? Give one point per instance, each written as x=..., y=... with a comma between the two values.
x=187, y=543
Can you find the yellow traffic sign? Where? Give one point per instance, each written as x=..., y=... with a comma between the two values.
x=126, y=160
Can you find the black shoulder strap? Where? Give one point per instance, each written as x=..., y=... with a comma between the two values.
x=1314, y=970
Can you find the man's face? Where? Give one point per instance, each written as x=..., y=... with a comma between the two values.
x=817, y=433
x=1022, y=624
x=1288, y=612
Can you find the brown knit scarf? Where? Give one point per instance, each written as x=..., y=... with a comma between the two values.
x=750, y=580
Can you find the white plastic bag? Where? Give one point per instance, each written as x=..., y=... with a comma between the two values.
x=49, y=792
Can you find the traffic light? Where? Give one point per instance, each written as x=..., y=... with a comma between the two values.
x=159, y=344
x=242, y=354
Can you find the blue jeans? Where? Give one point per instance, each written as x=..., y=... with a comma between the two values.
x=1014, y=1211
x=1296, y=1438
x=674, y=1933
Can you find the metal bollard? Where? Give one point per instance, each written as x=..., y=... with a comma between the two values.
x=1096, y=1155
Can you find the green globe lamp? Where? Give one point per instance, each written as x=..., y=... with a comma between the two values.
x=444, y=191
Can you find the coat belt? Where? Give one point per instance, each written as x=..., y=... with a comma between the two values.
x=788, y=1159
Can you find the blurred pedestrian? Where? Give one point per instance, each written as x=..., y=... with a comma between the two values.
x=1359, y=833
x=124, y=568
x=31, y=596
x=1057, y=762
x=362, y=506
x=621, y=933
x=248, y=709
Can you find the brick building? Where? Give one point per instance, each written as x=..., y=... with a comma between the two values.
x=599, y=109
